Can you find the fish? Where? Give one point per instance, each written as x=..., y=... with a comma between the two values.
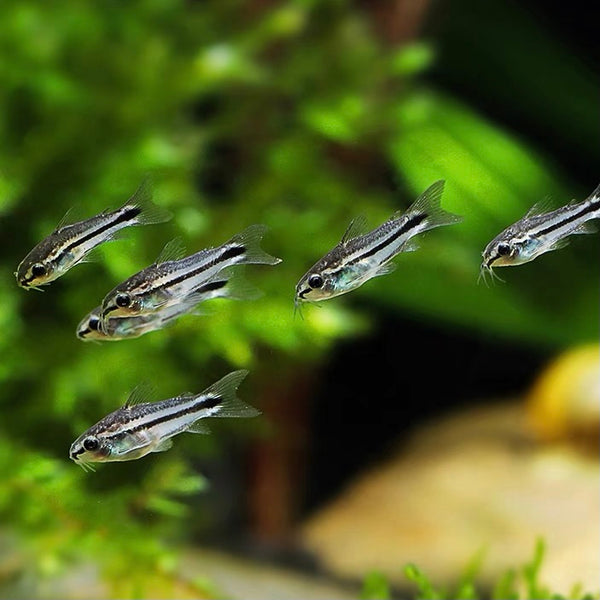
x=171, y=277
x=224, y=285
x=140, y=427
x=70, y=244
x=540, y=231
x=360, y=257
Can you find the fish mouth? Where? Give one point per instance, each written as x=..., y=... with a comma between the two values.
x=486, y=270
x=75, y=455
x=24, y=282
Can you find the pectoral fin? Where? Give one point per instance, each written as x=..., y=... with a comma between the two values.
x=164, y=445
x=385, y=269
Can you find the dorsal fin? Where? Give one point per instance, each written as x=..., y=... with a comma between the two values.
x=142, y=392
x=69, y=218
x=539, y=208
x=173, y=250
x=356, y=228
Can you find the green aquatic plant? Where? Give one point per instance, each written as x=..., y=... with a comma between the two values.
x=522, y=583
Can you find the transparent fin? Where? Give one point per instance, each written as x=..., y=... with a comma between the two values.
x=231, y=405
x=410, y=246
x=199, y=427
x=143, y=392
x=539, y=208
x=66, y=220
x=164, y=445
x=150, y=212
x=250, y=239
x=173, y=250
x=585, y=228
x=385, y=269
x=233, y=285
x=94, y=254
x=595, y=195
x=558, y=245
x=429, y=203
x=356, y=228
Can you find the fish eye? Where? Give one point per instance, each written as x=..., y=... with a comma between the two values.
x=123, y=300
x=94, y=323
x=91, y=444
x=503, y=249
x=38, y=270
x=315, y=281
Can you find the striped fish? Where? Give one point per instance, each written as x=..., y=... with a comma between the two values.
x=358, y=258
x=172, y=278
x=68, y=245
x=540, y=231
x=139, y=428
x=120, y=328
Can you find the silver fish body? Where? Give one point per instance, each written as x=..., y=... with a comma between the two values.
x=224, y=285
x=70, y=244
x=540, y=231
x=168, y=280
x=139, y=428
x=358, y=258
x=91, y=328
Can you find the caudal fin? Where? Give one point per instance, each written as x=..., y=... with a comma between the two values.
x=222, y=396
x=148, y=212
x=429, y=203
x=247, y=242
x=595, y=196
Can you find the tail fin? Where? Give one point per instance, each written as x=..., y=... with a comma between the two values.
x=149, y=213
x=595, y=196
x=229, y=283
x=229, y=404
x=249, y=240
x=428, y=203
x=236, y=286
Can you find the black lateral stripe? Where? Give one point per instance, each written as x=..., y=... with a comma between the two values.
x=206, y=403
x=127, y=215
x=411, y=222
x=211, y=286
x=233, y=251
x=567, y=220
x=224, y=256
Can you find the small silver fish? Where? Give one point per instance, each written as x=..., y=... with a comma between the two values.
x=358, y=258
x=225, y=285
x=172, y=278
x=140, y=427
x=68, y=245
x=540, y=231
x=91, y=329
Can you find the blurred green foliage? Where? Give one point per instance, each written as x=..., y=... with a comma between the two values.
x=288, y=114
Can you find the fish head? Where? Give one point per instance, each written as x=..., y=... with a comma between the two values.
x=121, y=302
x=91, y=447
x=504, y=250
x=107, y=441
x=90, y=327
x=314, y=286
x=34, y=271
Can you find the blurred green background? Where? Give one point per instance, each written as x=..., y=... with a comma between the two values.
x=298, y=114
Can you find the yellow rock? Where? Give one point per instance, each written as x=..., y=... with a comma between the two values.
x=564, y=403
